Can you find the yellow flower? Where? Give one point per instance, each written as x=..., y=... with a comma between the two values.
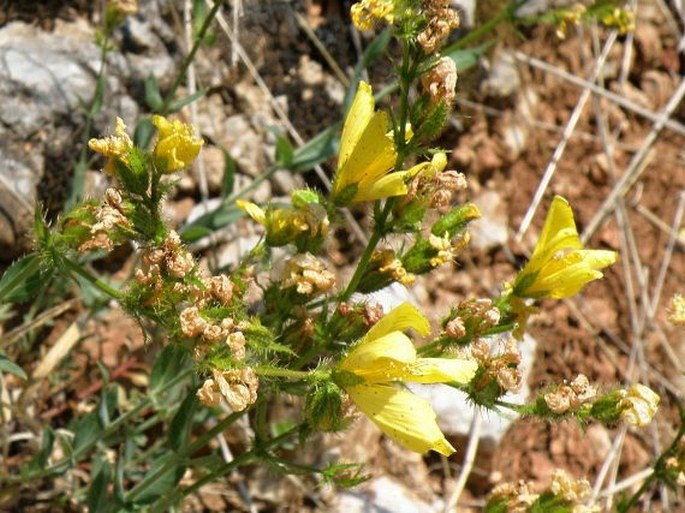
x=559, y=266
x=284, y=225
x=176, y=146
x=115, y=147
x=367, y=154
x=385, y=356
x=367, y=13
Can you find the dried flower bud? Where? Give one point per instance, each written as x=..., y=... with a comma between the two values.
x=518, y=497
x=209, y=394
x=180, y=264
x=221, y=288
x=569, y=489
x=308, y=274
x=559, y=401
x=480, y=350
x=213, y=333
x=438, y=29
x=99, y=240
x=584, y=392
x=455, y=328
x=238, y=386
x=192, y=324
x=639, y=404
x=236, y=343
x=509, y=378
x=372, y=313
x=440, y=81
x=113, y=198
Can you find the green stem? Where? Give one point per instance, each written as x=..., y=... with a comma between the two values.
x=107, y=432
x=199, y=38
x=282, y=373
x=659, y=468
x=178, y=458
x=363, y=262
x=99, y=284
x=243, y=459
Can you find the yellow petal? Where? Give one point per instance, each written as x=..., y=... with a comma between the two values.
x=441, y=370
x=403, y=416
x=372, y=156
x=400, y=318
x=392, y=184
x=357, y=119
x=558, y=232
x=566, y=276
x=382, y=359
x=252, y=210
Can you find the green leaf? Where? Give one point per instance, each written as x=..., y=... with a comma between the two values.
x=230, y=169
x=143, y=133
x=179, y=429
x=98, y=95
x=284, y=151
x=153, y=96
x=6, y=365
x=177, y=105
x=22, y=280
x=211, y=222
x=465, y=58
x=41, y=458
x=315, y=151
x=96, y=500
x=164, y=483
x=87, y=431
x=172, y=361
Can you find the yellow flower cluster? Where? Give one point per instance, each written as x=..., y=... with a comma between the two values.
x=176, y=146
x=386, y=356
x=115, y=147
x=369, y=13
x=284, y=225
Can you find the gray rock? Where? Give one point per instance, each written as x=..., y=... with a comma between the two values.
x=455, y=413
x=381, y=495
x=491, y=230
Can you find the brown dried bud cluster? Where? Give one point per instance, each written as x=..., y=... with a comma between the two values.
x=442, y=19
x=237, y=386
x=109, y=217
x=571, y=396
x=372, y=313
x=307, y=274
x=440, y=82
x=171, y=257
x=194, y=325
x=518, y=496
x=480, y=314
x=503, y=368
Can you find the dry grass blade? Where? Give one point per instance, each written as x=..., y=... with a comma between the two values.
x=57, y=352
x=467, y=465
x=613, y=97
x=565, y=137
x=637, y=163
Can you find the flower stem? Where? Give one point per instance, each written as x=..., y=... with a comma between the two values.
x=199, y=38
